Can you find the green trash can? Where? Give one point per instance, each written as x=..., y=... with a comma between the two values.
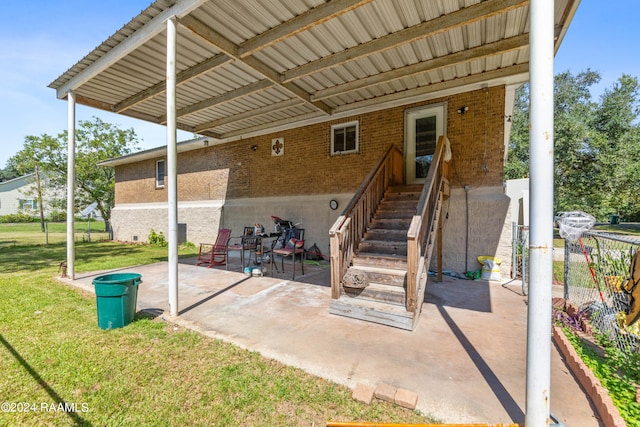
x=614, y=219
x=116, y=298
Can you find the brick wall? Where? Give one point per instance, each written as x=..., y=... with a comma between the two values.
x=235, y=170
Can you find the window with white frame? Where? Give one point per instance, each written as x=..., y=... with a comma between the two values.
x=27, y=204
x=344, y=138
x=160, y=173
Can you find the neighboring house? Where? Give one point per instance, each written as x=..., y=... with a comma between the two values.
x=18, y=196
x=297, y=101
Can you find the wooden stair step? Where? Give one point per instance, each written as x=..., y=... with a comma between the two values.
x=379, y=292
x=385, y=234
x=402, y=197
x=405, y=188
x=380, y=260
x=373, y=311
x=390, y=224
x=385, y=276
x=383, y=247
x=390, y=214
x=398, y=204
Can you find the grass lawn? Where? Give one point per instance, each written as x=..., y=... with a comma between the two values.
x=52, y=354
x=31, y=233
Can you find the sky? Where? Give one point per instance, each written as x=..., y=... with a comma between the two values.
x=41, y=39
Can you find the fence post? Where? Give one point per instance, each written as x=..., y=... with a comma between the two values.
x=567, y=258
x=514, y=250
x=46, y=233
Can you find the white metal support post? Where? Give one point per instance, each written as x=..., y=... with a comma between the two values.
x=541, y=15
x=71, y=183
x=172, y=176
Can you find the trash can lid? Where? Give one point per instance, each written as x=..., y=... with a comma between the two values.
x=117, y=278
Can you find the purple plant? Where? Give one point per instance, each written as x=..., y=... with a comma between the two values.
x=573, y=321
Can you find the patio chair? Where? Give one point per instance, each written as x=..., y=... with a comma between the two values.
x=215, y=253
x=293, y=247
x=248, y=242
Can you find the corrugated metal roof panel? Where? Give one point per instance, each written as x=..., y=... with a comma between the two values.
x=372, y=43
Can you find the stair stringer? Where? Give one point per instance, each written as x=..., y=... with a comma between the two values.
x=425, y=261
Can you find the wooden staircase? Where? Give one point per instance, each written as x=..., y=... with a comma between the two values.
x=382, y=255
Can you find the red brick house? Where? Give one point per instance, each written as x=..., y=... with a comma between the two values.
x=298, y=102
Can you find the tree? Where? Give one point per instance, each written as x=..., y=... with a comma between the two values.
x=96, y=141
x=36, y=156
x=6, y=174
x=597, y=145
x=576, y=169
x=617, y=122
x=517, y=165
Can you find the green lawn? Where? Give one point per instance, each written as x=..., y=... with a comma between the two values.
x=52, y=354
x=31, y=233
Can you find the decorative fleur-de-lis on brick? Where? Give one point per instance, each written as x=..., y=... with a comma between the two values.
x=277, y=147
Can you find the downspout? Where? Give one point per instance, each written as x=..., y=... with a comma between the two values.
x=466, y=238
x=71, y=182
x=172, y=176
x=541, y=16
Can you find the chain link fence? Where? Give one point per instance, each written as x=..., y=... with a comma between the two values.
x=520, y=256
x=595, y=268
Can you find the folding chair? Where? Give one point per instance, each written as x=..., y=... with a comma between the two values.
x=248, y=242
x=293, y=247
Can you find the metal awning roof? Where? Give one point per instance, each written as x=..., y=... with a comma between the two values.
x=246, y=67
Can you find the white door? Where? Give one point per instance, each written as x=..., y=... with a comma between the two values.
x=423, y=126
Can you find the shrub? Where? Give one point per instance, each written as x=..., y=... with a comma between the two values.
x=157, y=239
x=19, y=217
x=57, y=216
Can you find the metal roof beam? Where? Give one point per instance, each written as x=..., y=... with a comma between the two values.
x=210, y=35
x=453, y=59
x=182, y=77
x=90, y=102
x=134, y=41
x=387, y=101
x=282, y=105
x=426, y=29
x=300, y=23
x=225, y=97
x=447, y=85
x=272, y=124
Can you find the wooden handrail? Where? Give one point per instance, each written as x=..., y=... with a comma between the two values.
x=349, y=228
x=423, y=224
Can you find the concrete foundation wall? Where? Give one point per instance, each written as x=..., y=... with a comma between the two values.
x=198, y=222
x=490, y=231
x=489, y=222
x=203, y=220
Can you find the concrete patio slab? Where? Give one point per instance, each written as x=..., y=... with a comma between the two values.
x=465, y=360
